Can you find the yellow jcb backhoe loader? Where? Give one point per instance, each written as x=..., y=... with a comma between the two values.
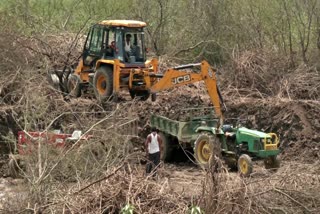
x=114, y=58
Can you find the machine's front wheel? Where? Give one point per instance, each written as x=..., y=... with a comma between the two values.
x=245, y=166
x=272, y=163
x=103, y=83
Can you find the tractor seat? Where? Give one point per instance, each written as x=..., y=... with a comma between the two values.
x=227, y=128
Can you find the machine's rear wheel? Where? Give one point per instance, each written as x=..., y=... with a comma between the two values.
x=245, y=166
x=166, y=148
x=153, y=97
x=73, y=85
x=103, y=83
x=272, y=162
x=205, y=148
x=142, y=95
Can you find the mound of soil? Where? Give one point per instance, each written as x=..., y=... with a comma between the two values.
x=296, y=122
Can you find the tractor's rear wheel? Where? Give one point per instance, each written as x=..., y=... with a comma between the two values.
x=272, y=163
x=74, y=85
x=166, y=148
x=103, y=83
x=245, y=166
x=205, y=148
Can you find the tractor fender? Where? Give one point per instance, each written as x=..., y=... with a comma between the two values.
x=213, y=130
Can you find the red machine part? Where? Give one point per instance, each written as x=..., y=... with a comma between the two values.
x=28, y=141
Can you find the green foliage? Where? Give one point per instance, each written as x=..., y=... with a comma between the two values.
x=187, y=30
x=196, y=210
x=33, y=16
x=128, y=209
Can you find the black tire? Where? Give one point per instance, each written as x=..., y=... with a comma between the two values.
x=245, y=166
x=153, y=97
x=142, y=95
x=103, y=83
x=272, y=163
x=231, y=163
x=132, y=94
x=74, y=85
x=205, y=148
x=166, y=154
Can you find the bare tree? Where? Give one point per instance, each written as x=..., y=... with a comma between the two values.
x=304, y=12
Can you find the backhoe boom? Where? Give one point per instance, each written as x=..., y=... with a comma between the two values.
x=174, y=77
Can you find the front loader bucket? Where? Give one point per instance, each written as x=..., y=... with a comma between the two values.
x=59, y=79
x=53, y=79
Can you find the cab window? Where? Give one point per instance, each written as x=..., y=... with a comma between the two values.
x=96, y=41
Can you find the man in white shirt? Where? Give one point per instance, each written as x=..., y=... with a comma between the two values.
x=153, y=150
x=127, y=43
x=127, y=47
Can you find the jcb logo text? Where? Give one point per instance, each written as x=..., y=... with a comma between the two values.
x=182, y=79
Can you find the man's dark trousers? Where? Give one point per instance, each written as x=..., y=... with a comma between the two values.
x=152, y=165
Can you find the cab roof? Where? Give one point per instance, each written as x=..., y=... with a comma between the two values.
x=123, y=23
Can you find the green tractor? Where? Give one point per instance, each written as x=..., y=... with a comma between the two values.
x=237, y=146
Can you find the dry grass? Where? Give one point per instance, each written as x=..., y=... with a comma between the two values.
x=293, y=189
x=54, y=180
x=263, y=74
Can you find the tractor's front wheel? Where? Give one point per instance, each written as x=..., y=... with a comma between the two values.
x=245, y=166
x=272, y=163
x=166, y=148
x=73, y=85
x=205, y=147
x=103, y=83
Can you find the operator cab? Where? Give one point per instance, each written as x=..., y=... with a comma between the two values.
x=117, y=39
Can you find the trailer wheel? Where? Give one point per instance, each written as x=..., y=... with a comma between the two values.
x=272, y=163
x=166, y=148
x=205, y=147
x=103, y=83
x=245, y=166
x=73, y=85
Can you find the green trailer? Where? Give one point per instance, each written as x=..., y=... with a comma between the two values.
x=238, y=146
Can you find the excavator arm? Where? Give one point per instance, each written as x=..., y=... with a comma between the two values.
x=175, y=77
